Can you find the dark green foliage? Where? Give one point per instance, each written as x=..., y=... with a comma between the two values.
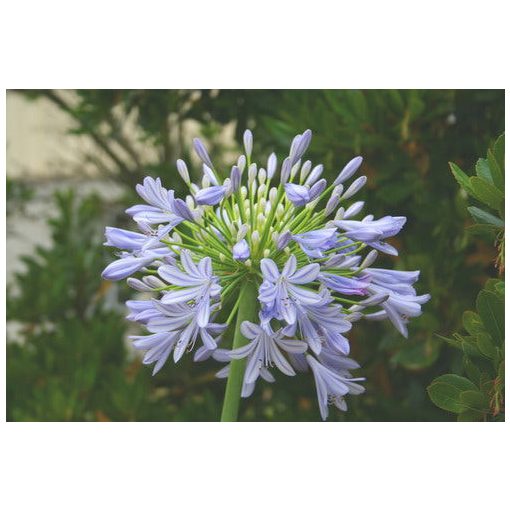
x=65, y=277
x=18, y=194
x=480, y=395
x=70, y=361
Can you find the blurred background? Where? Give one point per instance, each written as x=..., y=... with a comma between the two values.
x=73, y=159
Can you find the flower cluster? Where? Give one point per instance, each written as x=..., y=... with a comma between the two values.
x=286, y=232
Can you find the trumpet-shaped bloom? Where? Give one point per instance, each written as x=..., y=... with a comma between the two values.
x=197, y=284
x=315, y=242
x=281, y=293
x=265, y=350
x=162, y=205
x=281, y=233
x=332, y=386
x=373, y=232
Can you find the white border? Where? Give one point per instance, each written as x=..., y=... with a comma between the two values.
x=264, y=44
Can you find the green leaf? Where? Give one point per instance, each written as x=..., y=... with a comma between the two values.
x=483, y=170
x=485, y=345
x=499, y=151
x=469, y=345
x=481, y=216
x=461, y=178
x=500, y=288
x=453, y=342
x=485, y=192
x=445, y=391
x=479, y=229
x=475, y=400
x=470, y=415
x=472, y=371
x=495, y=171
x=472, y=322
x=459, y=382
x=491, y=309
x=491, y=284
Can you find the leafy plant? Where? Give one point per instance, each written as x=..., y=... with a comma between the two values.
x=488, y=188
x=69, y=349
x=479, y=395
x=18, y=194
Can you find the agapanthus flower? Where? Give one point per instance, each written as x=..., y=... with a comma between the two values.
x=268, y=264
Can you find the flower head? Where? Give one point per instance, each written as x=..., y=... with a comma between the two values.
x=268, y=229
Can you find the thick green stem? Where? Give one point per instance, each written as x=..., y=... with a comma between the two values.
x=247, y=312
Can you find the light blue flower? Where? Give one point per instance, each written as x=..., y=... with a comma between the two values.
x=161, y=208
x=265, y=350
x=241, y=250
x=372, y=232
x=133, y=241
x=402, y=301
x=131, y=263
x=197, y=283
x=332, y=386
x=174, y=328
x=321, y=324
x=210, y=196
x=299, y=195
x=281, y=292
x=315, y=242
x=195, y=254
x=352, y=286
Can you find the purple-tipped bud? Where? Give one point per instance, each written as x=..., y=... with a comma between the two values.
x=210, y=196
x=369, y=259
x=293, y=146
x=284, y=240
x=349, y=170
x=227, y=184
x=183, y=210
x=138, y=285
x=286, y=167
x=334, y=260
x=202, y=152
x=241, y=250
x=354, y=187
x=183, y=171
x=121, y=268
x=332, y=203
x=316, y=173
x=210, y=175
x=271, y=165
x=300, y=145
x=297, y=194
x=248, y=142
x=353, y=209
x=123, y=239
x=235, y=178
x=317, y=189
